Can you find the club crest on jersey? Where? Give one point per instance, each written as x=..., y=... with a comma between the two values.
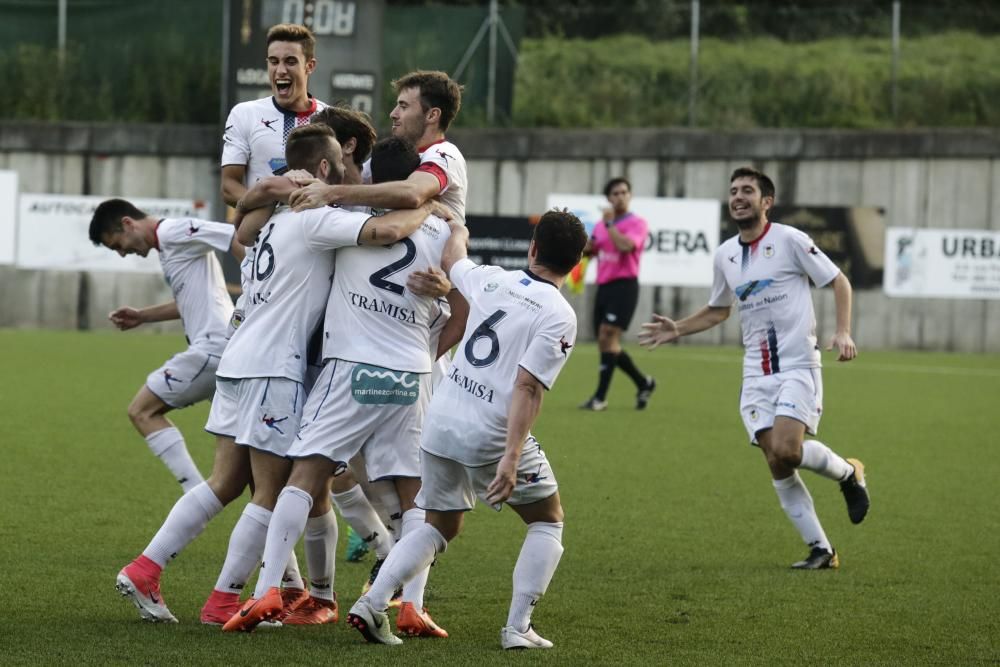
x=374, y=385
x=490, y=287
x=769, y=250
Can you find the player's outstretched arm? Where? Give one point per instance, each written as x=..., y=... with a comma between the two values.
x=395, y=225
x=126, y=317
x=664, y=330
x=525, y=404
x=842, y=293
x=415, y=191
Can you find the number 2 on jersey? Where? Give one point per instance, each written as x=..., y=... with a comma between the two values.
x=378, y=279
x=485, y=330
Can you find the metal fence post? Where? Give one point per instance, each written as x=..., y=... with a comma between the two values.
x=693, y=92
x=895, y=62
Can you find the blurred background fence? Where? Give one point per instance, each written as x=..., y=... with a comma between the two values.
x=755, y=63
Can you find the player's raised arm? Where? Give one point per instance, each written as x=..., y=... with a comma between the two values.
x=457, y=247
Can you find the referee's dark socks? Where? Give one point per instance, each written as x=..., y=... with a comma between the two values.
x=607, y=369
x=625, y=363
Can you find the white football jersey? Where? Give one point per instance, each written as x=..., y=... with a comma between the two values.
x=289, y=288
x=445, y=162
x=768, y=280
x=516, y=320
x=255, y=135
x=191, y=269
x=371, y=317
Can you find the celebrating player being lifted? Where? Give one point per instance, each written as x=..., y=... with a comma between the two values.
x=477, y=441
x=767, y=268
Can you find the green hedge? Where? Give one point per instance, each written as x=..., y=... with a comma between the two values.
x=950, y=79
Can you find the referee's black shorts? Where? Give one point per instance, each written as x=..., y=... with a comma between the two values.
x=615, y=303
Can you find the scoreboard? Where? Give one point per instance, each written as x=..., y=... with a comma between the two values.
x=348, y=49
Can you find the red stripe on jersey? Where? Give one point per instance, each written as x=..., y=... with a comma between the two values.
x=765, y=357
x=436, y=171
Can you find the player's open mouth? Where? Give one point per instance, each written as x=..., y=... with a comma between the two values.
x=740, y=208
x=283, y=85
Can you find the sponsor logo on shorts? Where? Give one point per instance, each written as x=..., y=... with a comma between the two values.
x=753, y=415
x=374, y=385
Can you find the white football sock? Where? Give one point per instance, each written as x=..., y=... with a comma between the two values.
x=385, y=500
x=168, y=446
x=360, y=515
x=798, y=505
x=414, y=553
x=824, y=461
x=292, y=577
x=413, y=590
x=535, y=566
x=287, y=524
x=321, y=552
x=189, y=516
x=246, y=545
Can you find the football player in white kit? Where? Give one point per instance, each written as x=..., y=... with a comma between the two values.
x=185, y=247
x=476, y=441
x=766, y=270
x=254, y=148
x=426, y=104
x=261, y=385
x=367, y=398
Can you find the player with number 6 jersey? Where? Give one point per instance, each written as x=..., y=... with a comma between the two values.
x=477, y=439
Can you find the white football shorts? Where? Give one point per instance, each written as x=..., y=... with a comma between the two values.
x=187, y=378
x=796, y=393
x=368, y=409
x=448, y=485
x=263, y=413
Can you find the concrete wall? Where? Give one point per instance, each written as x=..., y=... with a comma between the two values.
x=926, y=178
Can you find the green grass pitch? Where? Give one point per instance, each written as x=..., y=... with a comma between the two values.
x=677, y=551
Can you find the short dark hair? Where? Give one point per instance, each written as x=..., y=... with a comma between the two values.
x=437, y=89
x=393, y=159
x=765, y=184
x=309, y=145
x=559, y=240
x=349, y=123
x=108, y=218
x=293, y=32
x=610, y=185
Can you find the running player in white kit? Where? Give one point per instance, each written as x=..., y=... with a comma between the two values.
x=476, y=441
x=766, y=269
x=186, y=251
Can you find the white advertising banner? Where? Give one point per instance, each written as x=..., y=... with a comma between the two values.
x=8, y=216
x=683, y=236
x=942, y=263
x=53, y=233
